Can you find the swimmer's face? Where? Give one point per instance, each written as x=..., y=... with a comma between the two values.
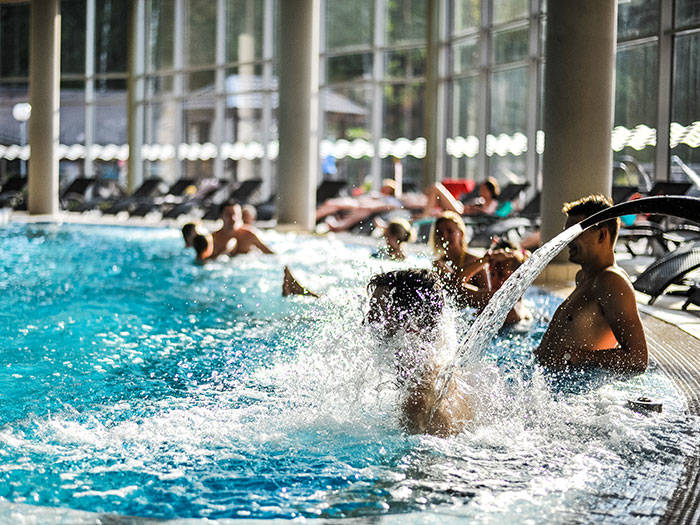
x=581, y=246
x=232, y=214
x=449, y=234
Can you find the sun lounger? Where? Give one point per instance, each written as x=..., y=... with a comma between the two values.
x=667, y=270
x=175, y=194
x=12, y=194
x=151, y=187
x=76, y=193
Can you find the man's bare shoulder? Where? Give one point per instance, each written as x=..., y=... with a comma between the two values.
x=614, y=278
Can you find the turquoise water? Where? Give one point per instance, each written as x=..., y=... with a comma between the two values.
x=135, y=382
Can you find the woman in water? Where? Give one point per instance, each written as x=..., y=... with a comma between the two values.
x=469, y=279
x=396, y=233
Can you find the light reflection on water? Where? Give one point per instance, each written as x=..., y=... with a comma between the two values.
x=135, y=382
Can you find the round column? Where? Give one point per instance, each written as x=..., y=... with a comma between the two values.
x=298, y=163
x=578, y=105
x=44, y=90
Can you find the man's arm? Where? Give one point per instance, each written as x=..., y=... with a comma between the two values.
x=255, y=241
x=616, y=298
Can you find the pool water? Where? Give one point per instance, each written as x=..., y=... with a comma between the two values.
x=135, y=382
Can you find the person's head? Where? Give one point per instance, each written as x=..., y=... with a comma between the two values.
x=448, y=233
x=203, y=245
x=489, y=189
x=231, y=213
x=249, y=214
x=398, y=231
x=597, y=239
x=405, y=299
x=189, y=230
x=388, y=187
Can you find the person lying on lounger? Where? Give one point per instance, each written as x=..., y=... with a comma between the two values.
x=598, y=324
x=406, y=311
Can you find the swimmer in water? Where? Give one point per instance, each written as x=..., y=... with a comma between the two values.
x=396, y=233
x=203, y=246
x=245, y=236
x=411, y=302
x=598, y=324
x=189, y=231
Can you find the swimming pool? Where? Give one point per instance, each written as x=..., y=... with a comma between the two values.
x=135, y=382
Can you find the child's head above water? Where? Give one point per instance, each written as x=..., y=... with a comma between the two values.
x=412, y=300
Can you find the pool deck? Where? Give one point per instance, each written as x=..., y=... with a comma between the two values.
x=673, y=337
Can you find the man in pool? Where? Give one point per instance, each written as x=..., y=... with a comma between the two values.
x=598, y=325
x=245, y=236
x=411, y=302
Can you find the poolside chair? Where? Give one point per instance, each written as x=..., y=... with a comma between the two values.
x=12, y=194
x=174, y=195
x=150, y=188
x=693, y=297
x=206, y=189
x=329, y=189
x=244, y=190
x=667, y=270
x=76, y=193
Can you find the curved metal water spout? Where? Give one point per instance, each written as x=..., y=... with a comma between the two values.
x=683, y=207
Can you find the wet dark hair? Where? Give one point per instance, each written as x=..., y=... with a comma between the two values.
x=188, y=229
x=398, y=230
x=415, y=293
x=200, y=243
x=587, y=206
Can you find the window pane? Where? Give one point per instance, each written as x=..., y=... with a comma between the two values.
x=347, y=112
x=14, y=41
x=467, y=15
x=405, y=21
x=201, y=82
x=244, y=30
x=507, y=10
x=110, y=117
x=687, y=13
x=466, y=55
x=636, y=18
x=200, y=32
x=111, y=36
x=159, y=85
x=72, y=115
x=403, y=111
x=349, y=67
x=465, y=125
x=686, y=105
x=160, y=34
x=73, y=36
x=349, y=23
x=508, y=117
x=635, y=103
x=12, y=132
x=406, y=63
x=510, y=46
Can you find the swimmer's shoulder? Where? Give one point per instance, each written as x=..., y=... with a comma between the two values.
x=613, y=278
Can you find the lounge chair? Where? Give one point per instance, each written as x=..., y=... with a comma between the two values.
x=150, y=188
x=693, y=297
x=206, y=190
x=667, y=270
x=174, y=195
x=328, y=189
x=12, y=194
x=76, y=193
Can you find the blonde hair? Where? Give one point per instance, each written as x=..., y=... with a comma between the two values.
x=401, y=229
x=446, y=216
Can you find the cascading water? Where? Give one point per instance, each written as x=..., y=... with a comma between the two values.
x=487, y=324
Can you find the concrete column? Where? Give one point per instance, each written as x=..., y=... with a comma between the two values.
x=136, y=95
x=432, y=82
x=578, y=105
x=298, y=163
x=44, y=91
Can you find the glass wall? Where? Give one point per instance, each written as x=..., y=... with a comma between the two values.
x=208, y=102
